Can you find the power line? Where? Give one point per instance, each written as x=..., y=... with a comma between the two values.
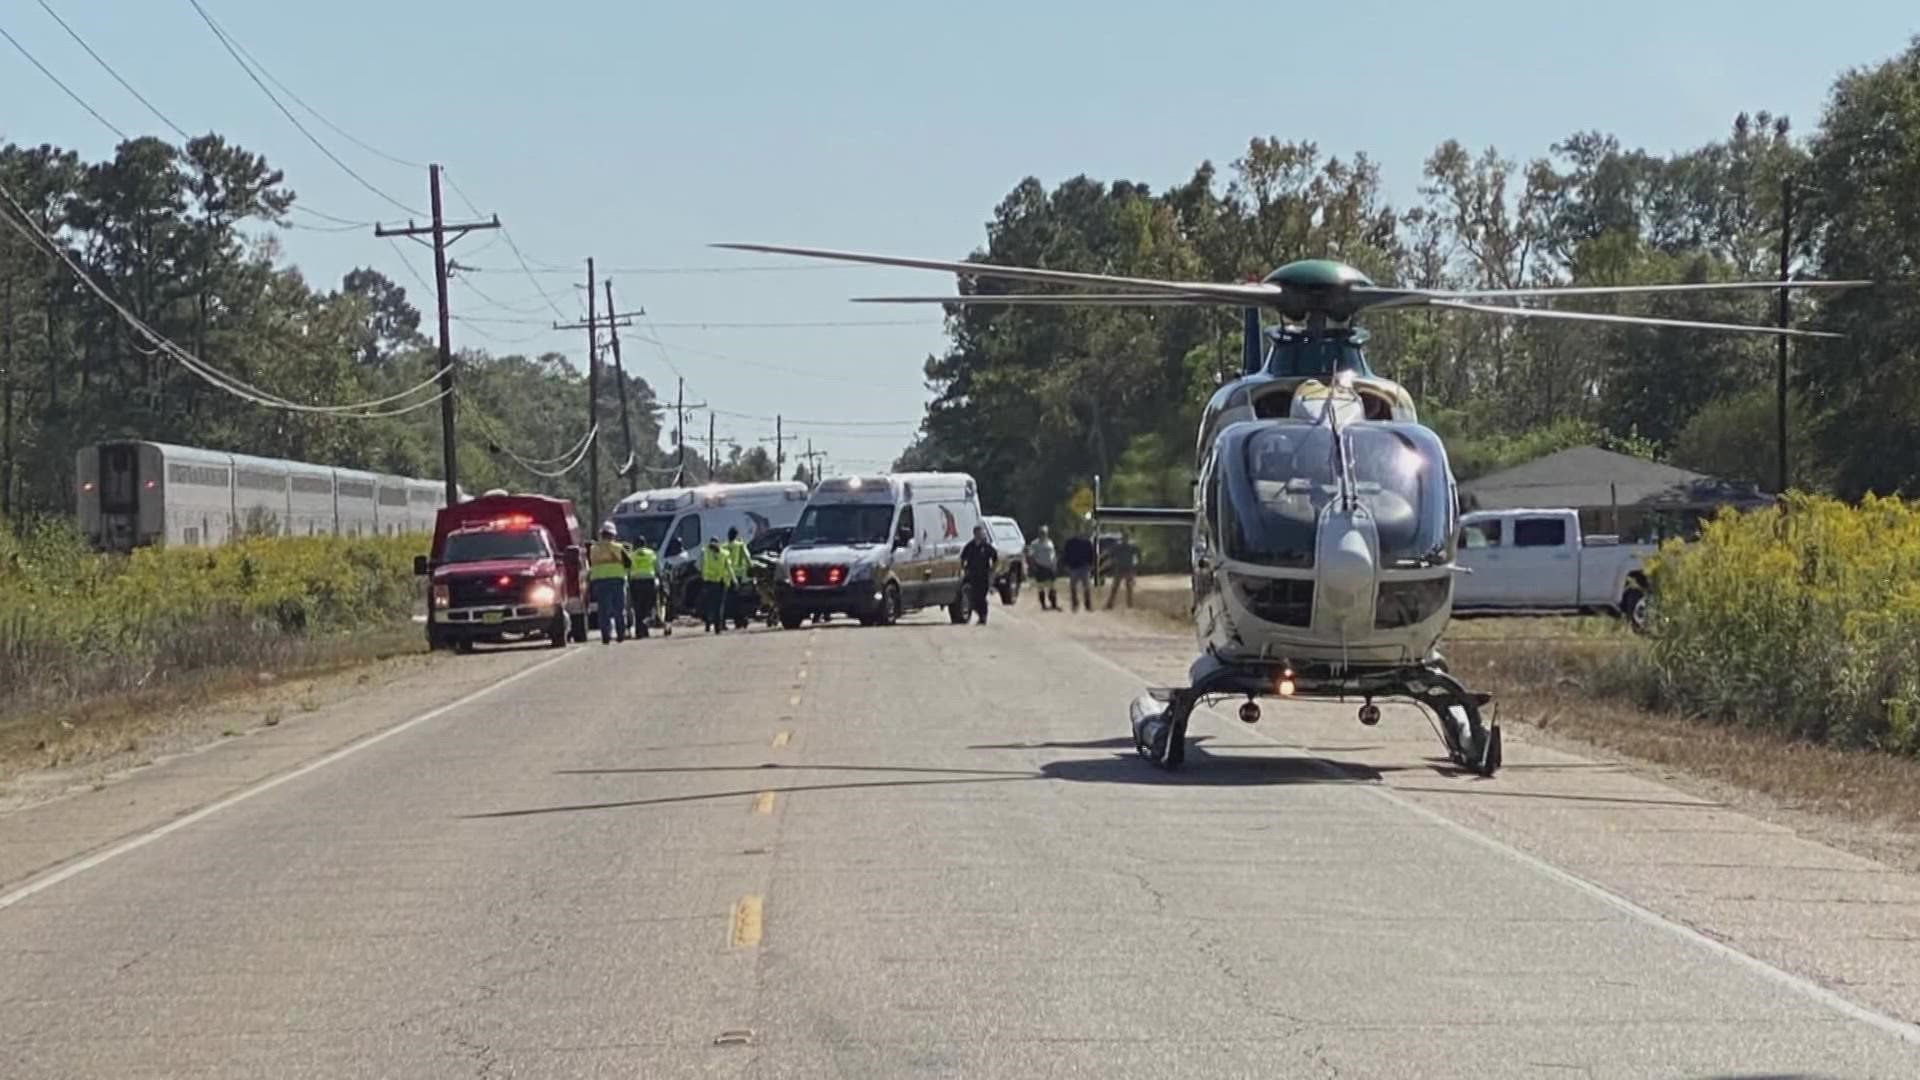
x=78, y=100
x=507, y=235
x=75, y=35
x=781, y=368
x=219, y=379
x=818, y=423
x=233, y=51
x=315, y=113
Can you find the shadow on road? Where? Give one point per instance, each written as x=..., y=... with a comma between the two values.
x=1201, y=770
x=1204, y=769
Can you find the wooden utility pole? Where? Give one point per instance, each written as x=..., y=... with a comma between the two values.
x=439, y=230
x=632, y=468
x=592, y=327
x=779, y=441
x=813, y=458
x=1780, y=376
x=713, y=456
x=680, y=408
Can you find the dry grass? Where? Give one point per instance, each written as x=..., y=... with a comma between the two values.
x=79, y=728
x=1576, y=679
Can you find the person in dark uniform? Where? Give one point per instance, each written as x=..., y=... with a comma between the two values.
x=977, y=560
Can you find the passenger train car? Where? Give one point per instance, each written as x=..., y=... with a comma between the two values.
x=132, y=494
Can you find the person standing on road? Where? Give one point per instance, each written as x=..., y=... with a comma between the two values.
x=607, y=562
x=642, y=587
x=716, y=582
x=742, y=564
x=1040, y=567
x=1125, y=555
x=1076, y=558
x=977, y=561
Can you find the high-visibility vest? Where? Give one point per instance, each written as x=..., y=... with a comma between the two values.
x=606, y=559
x=645, y=563
x=716, y=565
x=737, y=551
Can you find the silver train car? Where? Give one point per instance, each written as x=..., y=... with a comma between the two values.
x=135, y=494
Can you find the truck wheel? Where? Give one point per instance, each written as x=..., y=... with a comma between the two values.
x=957, y=611
x=578, y=624
x=557, y=633
x=463, y=646
x=1636, y=608
x=791, y=620
x=1006, y=593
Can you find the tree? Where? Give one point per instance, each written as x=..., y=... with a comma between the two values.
x=392, y=324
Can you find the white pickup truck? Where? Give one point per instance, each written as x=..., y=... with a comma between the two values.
x=1537, y=562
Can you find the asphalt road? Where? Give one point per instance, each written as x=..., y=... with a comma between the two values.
x=928, y=850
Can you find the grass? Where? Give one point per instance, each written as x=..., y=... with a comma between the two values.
x=1582, y=679
x=85, y=728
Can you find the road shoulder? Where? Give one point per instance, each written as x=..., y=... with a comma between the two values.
x=52, y=816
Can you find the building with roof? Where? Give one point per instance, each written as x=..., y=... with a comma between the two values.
x=1615, y=493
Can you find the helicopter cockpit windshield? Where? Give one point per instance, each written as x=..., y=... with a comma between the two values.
x=1280, y=477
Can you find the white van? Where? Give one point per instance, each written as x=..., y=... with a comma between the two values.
x=877, y=547
x=676, y=521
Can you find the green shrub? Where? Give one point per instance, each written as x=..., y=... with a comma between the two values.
x=73, y=622
x=1804, y=620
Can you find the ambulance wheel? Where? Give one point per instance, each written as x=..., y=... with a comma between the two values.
x=890, y=610
x=578, y=626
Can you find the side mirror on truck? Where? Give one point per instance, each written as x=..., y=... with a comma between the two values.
x=422, y=565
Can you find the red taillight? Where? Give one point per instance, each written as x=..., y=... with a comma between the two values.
x=504, y=581
x=834, y=574
x=800, y=575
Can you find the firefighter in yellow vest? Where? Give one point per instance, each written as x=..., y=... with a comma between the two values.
x=742, y=563
x=716, y=582
x=642, y=587
x=607, y=562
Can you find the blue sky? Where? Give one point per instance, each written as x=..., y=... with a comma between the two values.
x=638, y=132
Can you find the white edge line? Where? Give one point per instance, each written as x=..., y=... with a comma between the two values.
x=134, y=843
x=1891, y=1025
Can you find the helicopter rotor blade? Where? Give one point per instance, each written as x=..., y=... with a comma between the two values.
x=1237, y=294
x=1549, y=291
x=1057, y=299
x=1630, y=320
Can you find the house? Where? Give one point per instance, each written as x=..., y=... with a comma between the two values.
x=1620, y=494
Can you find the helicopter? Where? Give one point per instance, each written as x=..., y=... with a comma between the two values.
x=1325, y=516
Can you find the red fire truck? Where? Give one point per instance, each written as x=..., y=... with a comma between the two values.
x=505, y=567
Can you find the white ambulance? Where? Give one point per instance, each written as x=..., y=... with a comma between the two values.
x=876, y=547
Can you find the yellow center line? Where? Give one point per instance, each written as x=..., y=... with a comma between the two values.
x=782, y=738
x=763, y=803
x=746, y=922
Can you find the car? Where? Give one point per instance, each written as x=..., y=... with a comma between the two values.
x=878, y=546
x=1011, y=544
x=504, y=566
x=1539, y=562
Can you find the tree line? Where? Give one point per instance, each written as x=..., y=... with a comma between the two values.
x=186, y=238
x=1037, y=401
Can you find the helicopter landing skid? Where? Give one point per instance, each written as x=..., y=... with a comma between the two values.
x=1159, y=717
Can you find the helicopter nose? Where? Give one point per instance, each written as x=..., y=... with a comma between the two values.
x=1346, y=574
